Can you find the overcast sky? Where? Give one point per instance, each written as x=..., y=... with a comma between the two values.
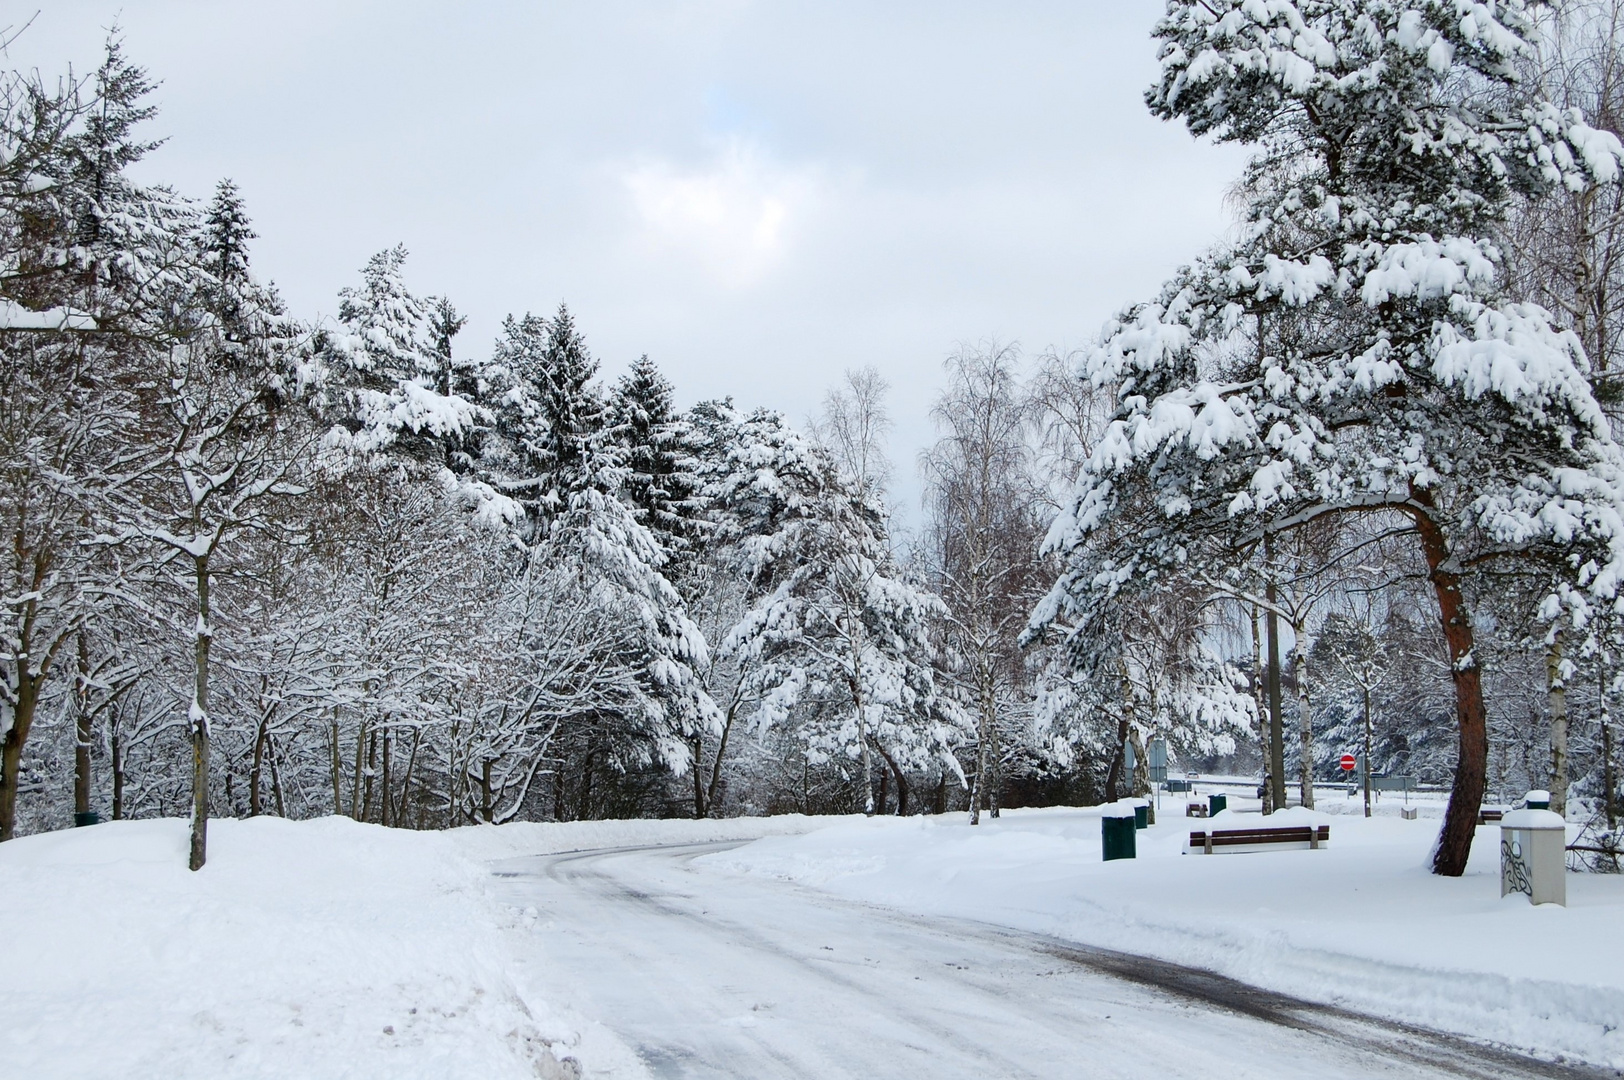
x=757, y=195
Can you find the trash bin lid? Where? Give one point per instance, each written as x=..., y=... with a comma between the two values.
x=1532, y=819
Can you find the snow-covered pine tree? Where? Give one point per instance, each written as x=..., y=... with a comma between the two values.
x=549, y=450
x=444, y=324
x=246, y=315
x=1353, y=351
x=656, y=453
x=836, y=630
x=571, y=410
x=381, y=372
x=129, y=250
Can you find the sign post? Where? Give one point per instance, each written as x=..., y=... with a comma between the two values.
x=1158, y=766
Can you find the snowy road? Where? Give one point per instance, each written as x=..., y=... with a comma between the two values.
x=707, y=974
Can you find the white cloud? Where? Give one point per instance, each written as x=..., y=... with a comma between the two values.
x=735, y=220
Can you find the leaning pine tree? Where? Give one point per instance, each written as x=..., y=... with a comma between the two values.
x=1353, y=351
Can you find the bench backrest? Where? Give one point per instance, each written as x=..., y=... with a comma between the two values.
x=1288, y=834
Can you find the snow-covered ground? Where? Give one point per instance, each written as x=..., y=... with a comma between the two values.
x=305, y=949
x=331, y=949
x=1361, y=923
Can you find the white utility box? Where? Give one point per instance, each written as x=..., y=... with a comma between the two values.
x=1533, y=854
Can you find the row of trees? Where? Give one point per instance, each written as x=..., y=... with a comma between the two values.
x=263, y=565
x=1342, y=487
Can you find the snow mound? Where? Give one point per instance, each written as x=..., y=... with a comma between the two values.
x=313, y=949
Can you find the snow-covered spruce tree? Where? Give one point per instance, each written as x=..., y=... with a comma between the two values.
x=837, y=635
x=549, y=417
x=1352, y=351
x=380, y=370
x=656, y=452
x=549, y=450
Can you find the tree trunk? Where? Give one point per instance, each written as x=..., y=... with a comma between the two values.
x=338, y=770
x=1471, y=768
x=276, y=777
x=1260, y=695
x=1113, y=775
x=1141, y=763
x=1277, y=735
x=11, y=753
x=885, y=791
x=404, y=806
x=1557, y=696
x=1305, y=719
x=700, y=810
x=978, y=782
x=384, y=817
x=485, y=809
x=199, y=717
x=360, y=767
x=255, y=769
x=901, y=778
x=986, y=783
x=81, y=733
x=1609, y=781
x=1367, y=750
x=370, y=772
x=721, y=751
x=856, y=679
x=116, y=762
x=995, y=758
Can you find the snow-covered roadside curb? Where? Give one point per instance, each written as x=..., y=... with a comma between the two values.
x=1361, y=924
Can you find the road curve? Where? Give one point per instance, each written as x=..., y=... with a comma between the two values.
x=707, y=974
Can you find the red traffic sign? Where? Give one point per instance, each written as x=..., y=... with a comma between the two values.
x=1348, y=762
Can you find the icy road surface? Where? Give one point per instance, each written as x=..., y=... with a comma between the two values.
x=707, y=974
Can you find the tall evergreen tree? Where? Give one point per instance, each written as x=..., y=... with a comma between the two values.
x=655, y=443
x=382, y=371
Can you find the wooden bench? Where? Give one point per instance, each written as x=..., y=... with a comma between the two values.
x=1489, y=815
x=1261, y=838
x=1195, y=809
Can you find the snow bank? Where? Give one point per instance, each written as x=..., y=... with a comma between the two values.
x=311, y=949
x=1360, y=923
x=306, y=949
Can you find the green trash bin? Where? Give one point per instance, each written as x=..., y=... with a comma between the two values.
x=1116, y=833
x=89, y=817
x=1216, y=803
x=1141, y=814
